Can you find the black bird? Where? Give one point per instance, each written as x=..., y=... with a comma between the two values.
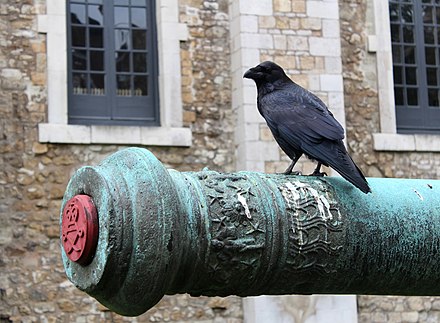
x=302, y=124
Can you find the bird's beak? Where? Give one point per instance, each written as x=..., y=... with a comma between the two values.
x=250, y=73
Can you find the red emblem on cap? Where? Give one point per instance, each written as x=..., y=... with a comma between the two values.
x=79, y=229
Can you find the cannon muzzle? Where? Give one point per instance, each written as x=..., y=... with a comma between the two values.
x=133, y=231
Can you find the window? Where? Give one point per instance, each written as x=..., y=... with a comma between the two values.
x=415, y=33
x=53, y=24
x=112, y=60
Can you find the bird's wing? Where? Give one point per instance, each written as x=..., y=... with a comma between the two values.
x=300, y=119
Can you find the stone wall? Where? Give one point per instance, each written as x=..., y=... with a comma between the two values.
x=362, y=120
x=301, y=36
x=33, y=176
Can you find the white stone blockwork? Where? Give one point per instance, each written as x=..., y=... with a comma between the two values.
x=323, y=9
x=253, y=7
x=325, y=46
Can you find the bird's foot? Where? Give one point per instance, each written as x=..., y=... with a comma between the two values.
x=318, y=173
x=294, y=173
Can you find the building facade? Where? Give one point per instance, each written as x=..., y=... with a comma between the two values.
x=65, y=104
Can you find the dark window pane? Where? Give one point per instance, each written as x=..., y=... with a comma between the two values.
x=95, y=15
x=426, y=1
x=123, y=62
x=122, y=39
x=122, y=19
x=395, y=34
x=410, y=56
x=140, y=62
x=430, y=56
x=428, y=12
x=398, y=96
x=431, y=76
x=410, y=75
x=411, y=96
x=96, y=37
x=78, y=14
x=394, y=12
x=97, y=60
x=429, y=35
x=407, y=13
x=78, y=36
x=433, y=97
x=138, y=3
x=408, y=34
x=397, y=73
x=97, y=84
x=79, y=59
x=140, y=85
x=397, y=57
x=139, y=39
x=123, y=85
x=79, y=83
x=139, y=17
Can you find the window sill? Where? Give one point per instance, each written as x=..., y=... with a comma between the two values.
x=399, y=142
x=147, y=136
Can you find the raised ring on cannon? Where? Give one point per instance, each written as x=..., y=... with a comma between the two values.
x=160, y=231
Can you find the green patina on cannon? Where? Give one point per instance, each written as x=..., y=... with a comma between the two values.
x=133, y=231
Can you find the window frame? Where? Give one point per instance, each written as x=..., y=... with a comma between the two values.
x=422, y=112
x=110, y=108
x=170, y=132
x=388, y=139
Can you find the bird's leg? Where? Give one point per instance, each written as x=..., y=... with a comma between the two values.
x=317, y=171
x=288, y=171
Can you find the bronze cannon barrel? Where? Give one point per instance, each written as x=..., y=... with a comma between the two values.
x=133, y=231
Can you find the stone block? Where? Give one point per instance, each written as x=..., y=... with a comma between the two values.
x=325, y=46
x=262, y=151
x=310, y=23
x=330, y=28
x=297, y=43
x=299, y=6
x=410, y=317
x=333, y=65
x=12, y=79
x=189, y=116
x=280, y=42
x=331, y=82
x=282, y=22
x=282, y=5
x=322, y=9
x=258, y=41
x=266, y=22
x=307, y=62
x=249, y=24
x=287, y=62
x=252, y=7
x=265, y=133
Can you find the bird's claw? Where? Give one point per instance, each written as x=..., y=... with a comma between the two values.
x=294, y=173
x=319, y=174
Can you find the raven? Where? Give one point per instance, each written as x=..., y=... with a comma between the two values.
x=302, y=124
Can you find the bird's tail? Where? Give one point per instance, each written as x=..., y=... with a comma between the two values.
x=350, y=171
x=342, y=163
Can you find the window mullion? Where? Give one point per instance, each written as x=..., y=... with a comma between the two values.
x=420, y=59
x=110, y=56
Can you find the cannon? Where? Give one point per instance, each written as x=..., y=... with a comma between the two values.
x=133, y=231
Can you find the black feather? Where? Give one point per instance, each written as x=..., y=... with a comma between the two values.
x=301, y=123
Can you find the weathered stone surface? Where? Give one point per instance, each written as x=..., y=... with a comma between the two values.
x=33, y=176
